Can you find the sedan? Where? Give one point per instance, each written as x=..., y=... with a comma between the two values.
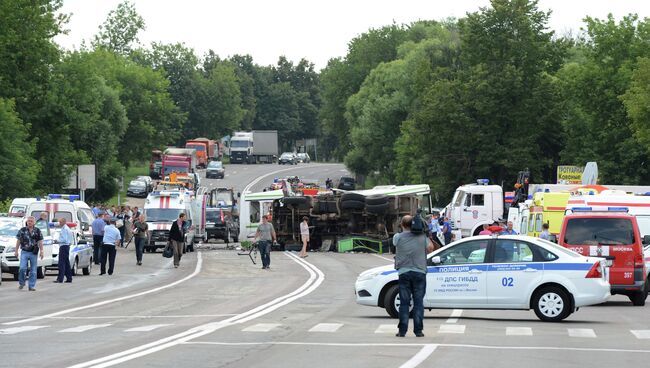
x=303, y=157
x=500, y=272
x=288, y=158
x=216, y=170
x=137, y=188
x=9, y=227
x=80, y=255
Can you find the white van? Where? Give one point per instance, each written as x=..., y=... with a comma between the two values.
x=77, y=213
x=18, y=206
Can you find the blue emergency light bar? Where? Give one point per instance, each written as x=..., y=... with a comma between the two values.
x=609, y=209
x=618, y=209
x=482, y=181
x=581, y=209
x=71, y=197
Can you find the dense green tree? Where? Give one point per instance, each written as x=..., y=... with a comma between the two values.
x=18, y=168
x=637, y=101
x=119, y=33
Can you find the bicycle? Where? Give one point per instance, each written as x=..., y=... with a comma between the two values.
x=249, y=248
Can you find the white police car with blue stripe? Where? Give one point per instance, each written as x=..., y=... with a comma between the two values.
x=498, y=272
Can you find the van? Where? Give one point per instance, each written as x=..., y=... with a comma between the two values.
x=18, y=206
x=65, y=205
x=613, y=235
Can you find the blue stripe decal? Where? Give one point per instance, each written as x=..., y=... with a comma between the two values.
x=506, y=267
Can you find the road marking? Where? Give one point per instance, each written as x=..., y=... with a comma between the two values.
x=420, y=357
x=641, y=334
x=316, y=278
x=146, y=328
x=388, y=259
x=105, y=302
x=261, y=327
x=581, y=332
x=519, y=331
x=386, y=329
x=454, y=315
x=15, y=330
x=85, y=328
x=454, y=329
x=326, y=327
x=132, y=317
x=464, y=346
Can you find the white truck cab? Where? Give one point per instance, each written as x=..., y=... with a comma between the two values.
x=474, y=205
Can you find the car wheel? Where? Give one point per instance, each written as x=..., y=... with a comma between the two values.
x=392, y=302
x=86, y=270
x=75, y=266
x=16, y=276
x=638, y=298
x=551, y=304
x=39, y=273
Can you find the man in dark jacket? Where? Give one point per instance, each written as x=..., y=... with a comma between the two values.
x=177, y=238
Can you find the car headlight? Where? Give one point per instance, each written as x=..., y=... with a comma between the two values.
x=368, y=275
x=10, y=250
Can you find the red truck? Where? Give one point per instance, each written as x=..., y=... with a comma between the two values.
x=205, y=150
x=180, y=160
x=155, y=164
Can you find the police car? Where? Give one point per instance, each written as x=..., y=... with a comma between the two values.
x=80, y=255
x=498, y=272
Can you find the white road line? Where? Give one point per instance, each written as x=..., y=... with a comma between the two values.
x=463, y=346
x=316, y=278
x=326, y=327
x=105, y=302
x=261, y=327
x=85, y=328
x=519, y=331
x=15, y=330
x=146, y=328
x=454, y=329
x=454, y=315
x=420, y=357
x=382, y=257
x=641, y=334
x=386, y=329
x=581, y=332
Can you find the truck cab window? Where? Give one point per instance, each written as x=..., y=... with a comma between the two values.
x=478, y=200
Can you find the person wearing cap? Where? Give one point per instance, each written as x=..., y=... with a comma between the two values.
x=110, y=241
x=65, y=239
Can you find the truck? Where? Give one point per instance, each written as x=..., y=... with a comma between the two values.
x=181, y=160
x=155, y=164
x=257, y=146
x=363, y=220
x=205, y=150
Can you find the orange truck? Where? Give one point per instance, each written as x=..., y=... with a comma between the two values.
x=205, y=150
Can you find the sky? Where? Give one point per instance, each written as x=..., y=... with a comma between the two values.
x=316, y=30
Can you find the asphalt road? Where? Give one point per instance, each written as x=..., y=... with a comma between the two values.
x=220, y=310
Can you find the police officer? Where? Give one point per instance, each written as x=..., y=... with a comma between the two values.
x=65, y=239
x=111, y=240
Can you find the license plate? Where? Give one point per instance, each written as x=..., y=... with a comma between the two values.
x=161, y=243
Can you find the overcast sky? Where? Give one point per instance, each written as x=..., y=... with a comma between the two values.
x=313, y=29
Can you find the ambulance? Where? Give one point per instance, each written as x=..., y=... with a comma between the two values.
x=76, y=212
x=161, y=209
x=546, y=208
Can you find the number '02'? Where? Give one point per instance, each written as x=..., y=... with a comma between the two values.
x=507, y=281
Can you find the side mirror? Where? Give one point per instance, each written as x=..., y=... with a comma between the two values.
x=646, y=239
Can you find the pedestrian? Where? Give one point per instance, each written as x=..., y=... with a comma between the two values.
x=265, y=235
x=121, y=216
x=140, y=230
x=509, y=230
x=545, y=234
x=65, y=239
x=110, y=241
x=436, y=231
x=136, y=212
x=177, y=238
x=446, y=230
x=98, y=235
x=485, y=230
x=304, y=235
x=30, y=242
x=411, y=263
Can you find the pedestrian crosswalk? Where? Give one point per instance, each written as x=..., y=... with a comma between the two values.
x=333, y=327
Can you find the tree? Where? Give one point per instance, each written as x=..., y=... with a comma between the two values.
x=119, y=32
x=18, y=168
x=637, y=101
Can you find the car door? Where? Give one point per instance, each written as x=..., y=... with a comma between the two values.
x=514, y=269
x=459, y=280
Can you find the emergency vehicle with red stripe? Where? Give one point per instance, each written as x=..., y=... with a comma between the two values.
x=162, y=208
x=79, y=216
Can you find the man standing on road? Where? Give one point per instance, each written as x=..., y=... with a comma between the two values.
x=177, y=238
x=265, y=235
x=65, y=239
x=304, y=235
x=411, y=264
x=30, y=242
x=140, y=230
x=110, y=241
x=98, y=234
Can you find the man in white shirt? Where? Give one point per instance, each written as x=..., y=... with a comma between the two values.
x=304, y=235
x=65, y=240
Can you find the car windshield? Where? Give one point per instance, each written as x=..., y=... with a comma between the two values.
x=198, y=147
x=239, y=144
x=162, y=214
x=213, y=216
x=178, y=169
x=599, y=231
x=215, y=165
x=286, y=155
x=137, y=183
x=225, y=198
x=9, y=229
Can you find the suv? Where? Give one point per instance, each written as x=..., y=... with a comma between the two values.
x=615, y=237
x=303, y=157
x=216, y=170
x=220, y=224
x=346, y=183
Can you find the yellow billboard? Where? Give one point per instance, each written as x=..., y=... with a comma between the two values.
x=569, y=174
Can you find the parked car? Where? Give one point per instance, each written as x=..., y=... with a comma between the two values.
x=220, y=224
x=9, y=227
x=215, y=170
x=500, y=272
x=303, y=157
x=347, y=183
x=137, y=188
x=148, y=180
x=288, y=158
